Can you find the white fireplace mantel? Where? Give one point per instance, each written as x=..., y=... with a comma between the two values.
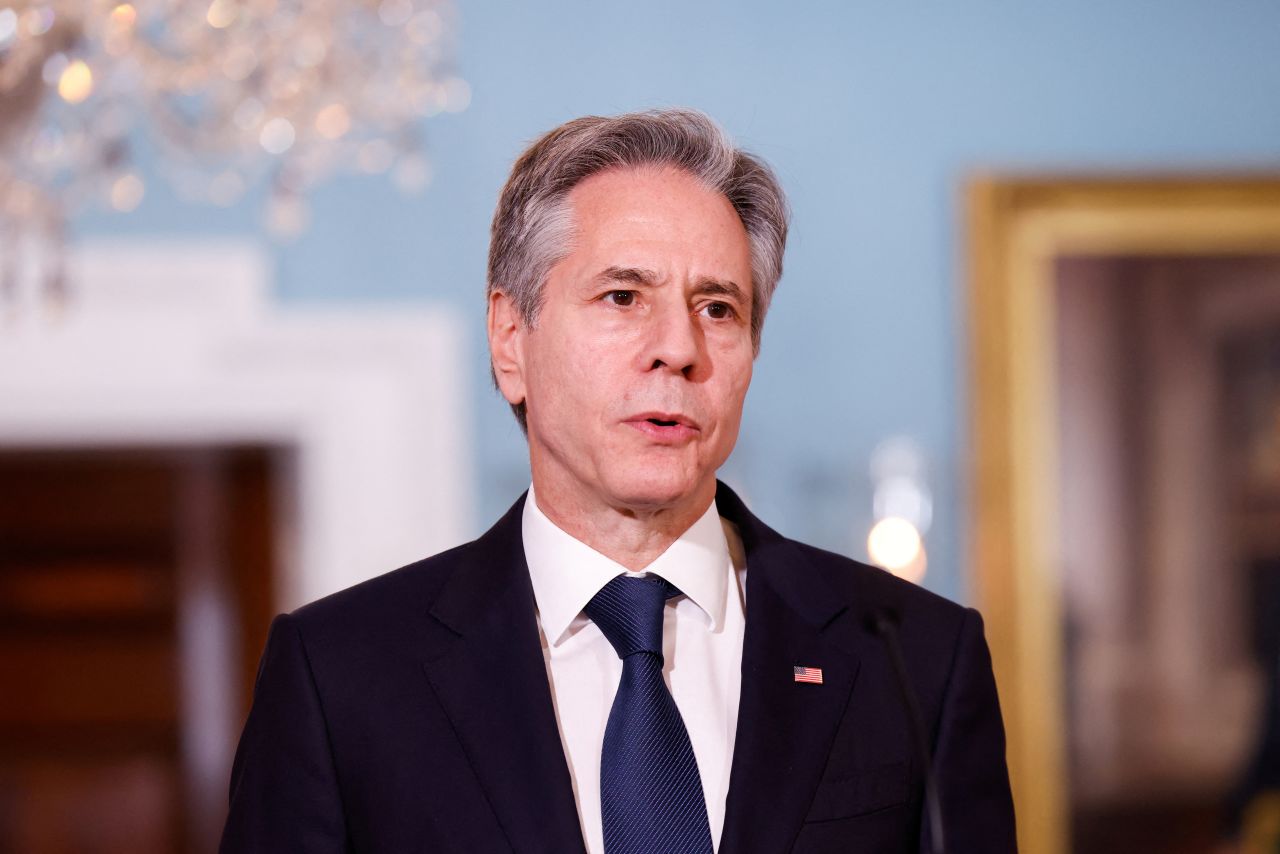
x=179, y=343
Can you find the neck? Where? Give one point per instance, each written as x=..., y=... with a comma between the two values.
x=631, y=536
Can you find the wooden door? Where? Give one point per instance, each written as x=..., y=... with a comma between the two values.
x=135, y=591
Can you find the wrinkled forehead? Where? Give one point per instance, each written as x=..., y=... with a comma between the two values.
x=661, y=221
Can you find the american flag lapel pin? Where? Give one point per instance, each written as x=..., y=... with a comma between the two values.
x=812, y=675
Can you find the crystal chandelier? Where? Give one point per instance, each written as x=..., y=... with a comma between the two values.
x=224, y=96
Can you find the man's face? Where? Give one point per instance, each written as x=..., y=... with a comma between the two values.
x=637, y=368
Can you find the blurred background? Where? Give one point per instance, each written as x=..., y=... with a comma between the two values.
x=1026, y=353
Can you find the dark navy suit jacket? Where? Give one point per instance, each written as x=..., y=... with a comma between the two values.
x=412, y=713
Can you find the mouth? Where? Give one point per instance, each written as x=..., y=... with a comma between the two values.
x=665, y=427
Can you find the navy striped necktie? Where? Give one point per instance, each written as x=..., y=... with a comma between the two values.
x=651, y=799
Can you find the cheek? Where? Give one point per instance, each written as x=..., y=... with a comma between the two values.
x=570, y=375
x=732, y=395
x=739, y=368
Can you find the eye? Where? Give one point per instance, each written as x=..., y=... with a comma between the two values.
x=718, y=310
x=622, y=299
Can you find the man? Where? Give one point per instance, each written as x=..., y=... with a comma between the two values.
x=628, y=661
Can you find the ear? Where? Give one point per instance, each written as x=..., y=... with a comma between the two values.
x=506, y=347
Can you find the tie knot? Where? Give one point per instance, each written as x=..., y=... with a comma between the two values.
x=628, y=611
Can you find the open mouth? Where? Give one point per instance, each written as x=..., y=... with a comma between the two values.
x=666, y=428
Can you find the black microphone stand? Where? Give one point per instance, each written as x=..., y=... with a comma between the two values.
x=885, y=624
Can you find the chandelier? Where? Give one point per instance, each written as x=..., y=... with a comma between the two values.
x=224, y=96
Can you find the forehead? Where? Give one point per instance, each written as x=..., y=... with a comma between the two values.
x=662, y=211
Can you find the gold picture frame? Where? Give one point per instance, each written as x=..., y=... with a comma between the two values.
x=1016, y=228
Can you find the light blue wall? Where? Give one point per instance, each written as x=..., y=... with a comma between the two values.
x=873, y=114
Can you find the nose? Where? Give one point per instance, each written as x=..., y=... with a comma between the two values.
x=675, y=341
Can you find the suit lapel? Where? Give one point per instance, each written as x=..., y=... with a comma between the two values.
x=785, y=728
x=488, y=673
x=490, y=678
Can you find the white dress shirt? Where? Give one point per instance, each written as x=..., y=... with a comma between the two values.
x=702, y=647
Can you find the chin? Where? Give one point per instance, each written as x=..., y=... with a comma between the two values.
x=652, y=489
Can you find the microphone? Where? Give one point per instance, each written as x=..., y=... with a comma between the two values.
x=884, y=623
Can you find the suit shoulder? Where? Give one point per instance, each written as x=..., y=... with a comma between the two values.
x=930, y=628
x=410, y=588
x=870, y=587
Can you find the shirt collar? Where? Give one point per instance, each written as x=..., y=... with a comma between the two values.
x=566, y=572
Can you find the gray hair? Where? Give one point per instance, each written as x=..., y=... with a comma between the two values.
x=533, y=226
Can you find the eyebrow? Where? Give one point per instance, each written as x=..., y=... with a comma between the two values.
x=629, y=275
x=649, y=278
x=719, y=288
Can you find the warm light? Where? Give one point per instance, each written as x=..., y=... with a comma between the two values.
x=118, y=33
x=76, y=82
x=333, y=121
x=894, y=543
x=225, y=93
x=221, y=14
x=914, y=571
x=124, y=15
x=127, y=192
